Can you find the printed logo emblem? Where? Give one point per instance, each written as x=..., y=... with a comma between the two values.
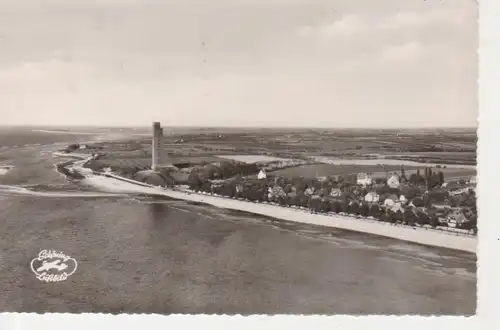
x=53, y=266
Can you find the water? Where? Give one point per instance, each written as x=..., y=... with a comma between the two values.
x=384, y=161
x=253, y=158
x=139, y=254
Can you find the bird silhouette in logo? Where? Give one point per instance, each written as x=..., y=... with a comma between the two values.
x=52, y=265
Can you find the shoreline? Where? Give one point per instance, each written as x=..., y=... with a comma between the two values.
x=4, y=169
x=420, y=235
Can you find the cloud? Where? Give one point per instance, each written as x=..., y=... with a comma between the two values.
x=402, y=20
x=57, y=93
x=357, y=24
x=344, y=27
x=408, y=52
x=330, y=75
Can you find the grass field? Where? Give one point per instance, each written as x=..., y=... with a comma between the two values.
x=453, y=147
x=321, y=170
x=124, y=159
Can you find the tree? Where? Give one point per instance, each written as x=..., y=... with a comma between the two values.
x=283, y=200
x=409, y=217
x=454, y=201
x=303, y=200
x=314, y=204
x=411, y=192
x=414, y=178
x=422, y=218
x=72, y=147
x=418, y=202
x=438, y=195
x=403, y=175
x=391, y=216
x=194, y=181
x=228, y=190
x=324, y=206
x=340, y=179
x=434, y=221
x=335, y=206
x=427, y=201
x=354, y=208
x=375, y=211
x=295, y=200
x=300, y=185
x=365, y=210
x=344, y=205
x=441, y=177
x=398, y=216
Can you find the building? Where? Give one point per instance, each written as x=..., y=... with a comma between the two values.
x=309, y=191
x=364, y=179
x=473, y=180
x=397, y=207
x=372, y=197
x=393, y=181
x=456, y=219
x=403, y=199
x=262, y=174
x=391, y=200
x=335, y=192
x=275, y=192
x=157, y=146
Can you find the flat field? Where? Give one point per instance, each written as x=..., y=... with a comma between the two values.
x=453, y=147
x=320, y=170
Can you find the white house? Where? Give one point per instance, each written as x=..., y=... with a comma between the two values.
x=372, y=197
x=309, y=191
x=276, y=191
x=456, y=218
x=364, y=179
x=403, y=199
x=335, y=192
x=397, y=207
x=393, y=181
x=239, y=188
x=389, y=202
x=262, y=174
x=473, y=180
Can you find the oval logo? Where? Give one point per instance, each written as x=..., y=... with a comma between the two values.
x=53, y=266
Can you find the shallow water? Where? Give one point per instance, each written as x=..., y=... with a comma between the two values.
x=253, y=158
x=385, y=161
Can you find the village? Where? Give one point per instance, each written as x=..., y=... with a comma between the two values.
x=420, y=199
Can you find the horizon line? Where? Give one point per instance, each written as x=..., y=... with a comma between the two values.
x=240, y=126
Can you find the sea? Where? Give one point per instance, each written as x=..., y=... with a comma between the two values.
x=145, y=254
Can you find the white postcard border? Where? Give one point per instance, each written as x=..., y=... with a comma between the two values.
x=488, y=312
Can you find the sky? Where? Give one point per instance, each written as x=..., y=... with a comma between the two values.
x=278, y=63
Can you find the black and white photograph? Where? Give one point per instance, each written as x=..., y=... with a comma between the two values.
x=239, y=157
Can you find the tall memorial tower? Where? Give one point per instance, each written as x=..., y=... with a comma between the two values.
x=157, y=146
